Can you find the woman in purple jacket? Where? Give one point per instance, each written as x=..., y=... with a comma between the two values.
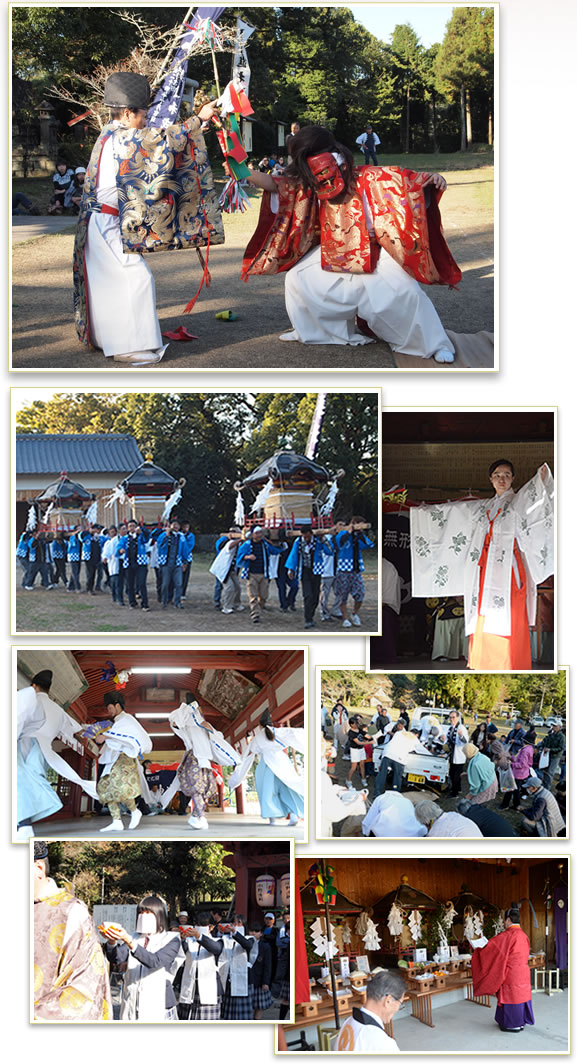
x=522, y=766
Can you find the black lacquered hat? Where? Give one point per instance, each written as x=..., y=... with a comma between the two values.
x=125, y=89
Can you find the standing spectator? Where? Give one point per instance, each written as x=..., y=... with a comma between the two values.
x=553, y=745
x=457, y=738
x=356, y=746
x=521, y=767
x=515, y=737
x=295, y=128
x=369, y=142
x=270, y=935
x=287, y=588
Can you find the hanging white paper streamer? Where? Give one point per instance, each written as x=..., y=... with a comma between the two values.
x=395, y=920
x=239, y=511
x=262, y=496
x=31, y=519
x=329, y=503
x=172, y=501
x=415, y=921
x=371, y=938
x=118, y=495
x=92, y=512
x=323, y=947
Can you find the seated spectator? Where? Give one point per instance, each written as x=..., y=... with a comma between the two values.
x=542, y=813
x=63, y=181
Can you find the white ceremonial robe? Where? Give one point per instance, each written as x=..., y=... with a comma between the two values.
x=447, y=540
x=274, y=756
x=234, y=961
x=126, y=736
x=187, y=722
x=323, y=305
x=355, y=1037
x=43, y=720
x=120, y=288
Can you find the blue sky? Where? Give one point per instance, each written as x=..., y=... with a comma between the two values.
x=428, y=20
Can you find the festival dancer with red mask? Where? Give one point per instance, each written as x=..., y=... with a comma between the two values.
x=355, y=242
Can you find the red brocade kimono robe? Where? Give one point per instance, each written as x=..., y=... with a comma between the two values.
x=406, y=218
x=502, y=967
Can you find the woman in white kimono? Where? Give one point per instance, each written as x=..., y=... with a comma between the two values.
x=280, y=789
x=39, y=722
x=494, y=552
x=204, y=745
x=147, y=994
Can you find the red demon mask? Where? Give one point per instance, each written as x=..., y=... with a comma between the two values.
x=327, y=174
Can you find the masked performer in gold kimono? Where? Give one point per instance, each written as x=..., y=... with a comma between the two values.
x=70, y=972
x=355, y=242
x=146, y=189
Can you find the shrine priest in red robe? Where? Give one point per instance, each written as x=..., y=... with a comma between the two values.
x=502, y=968
x=355, y=242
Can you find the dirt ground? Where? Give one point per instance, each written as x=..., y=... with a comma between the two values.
x=43, y=330
x=62, y=611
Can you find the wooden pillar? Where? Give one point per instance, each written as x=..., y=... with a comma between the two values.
x=524, y=892
x=239, y=793
x=220, y=787
x=241, y=890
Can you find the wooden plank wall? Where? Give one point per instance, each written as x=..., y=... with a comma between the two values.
x=366, y=879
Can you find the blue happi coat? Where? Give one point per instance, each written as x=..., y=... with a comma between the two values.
x=294, y=562
x=344, y=543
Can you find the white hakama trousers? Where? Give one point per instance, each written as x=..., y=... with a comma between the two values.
x=322, y=307
x=121, y=293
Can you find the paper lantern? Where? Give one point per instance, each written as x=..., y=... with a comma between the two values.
x=265, y=888
x=285, y=889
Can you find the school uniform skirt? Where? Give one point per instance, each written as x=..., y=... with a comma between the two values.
x=236, y=1008
x=195, y=1010
x=260, y=999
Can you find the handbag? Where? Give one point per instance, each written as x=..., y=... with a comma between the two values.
x=544, y=759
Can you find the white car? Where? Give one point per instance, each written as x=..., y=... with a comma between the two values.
x=426, y=768
x=537, y=722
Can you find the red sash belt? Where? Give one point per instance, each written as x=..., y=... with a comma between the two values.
x=105, y=209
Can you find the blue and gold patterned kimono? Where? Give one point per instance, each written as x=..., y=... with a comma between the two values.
x=166, y=197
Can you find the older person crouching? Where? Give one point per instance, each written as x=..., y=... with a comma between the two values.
x=441, y=825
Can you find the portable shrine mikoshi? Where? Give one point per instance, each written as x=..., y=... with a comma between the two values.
x=409, y=899
x=150, y=490
x=289, y=493
x=62, y=505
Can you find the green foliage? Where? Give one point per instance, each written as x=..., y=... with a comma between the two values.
x=212, y=440
x=182, y=873
x=312, y=63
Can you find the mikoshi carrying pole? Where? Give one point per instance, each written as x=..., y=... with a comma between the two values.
x=330, y=959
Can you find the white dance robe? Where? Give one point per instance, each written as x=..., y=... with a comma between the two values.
x=323, y=305
x=447, y=540
x=120, y=287
x=275, y=757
